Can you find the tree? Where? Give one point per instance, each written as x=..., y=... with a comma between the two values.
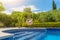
x=5, y=19
x=1, y=7
x=17, y=18
x=53, y=5
x=27, y=13
x=27, y=10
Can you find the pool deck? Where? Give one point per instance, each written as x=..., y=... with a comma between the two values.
x=2, y=34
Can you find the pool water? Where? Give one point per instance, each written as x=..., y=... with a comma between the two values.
x=34, y=34
x=53, y=34
x=52, y=37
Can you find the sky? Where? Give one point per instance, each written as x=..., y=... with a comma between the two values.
x=35, y=5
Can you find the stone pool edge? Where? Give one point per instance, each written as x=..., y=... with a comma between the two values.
x=3, y=34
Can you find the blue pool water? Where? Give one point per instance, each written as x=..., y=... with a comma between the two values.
x=33, y=34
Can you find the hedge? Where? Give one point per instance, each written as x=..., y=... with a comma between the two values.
x=45, y=24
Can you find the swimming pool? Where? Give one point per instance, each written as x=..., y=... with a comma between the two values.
x=33, y=34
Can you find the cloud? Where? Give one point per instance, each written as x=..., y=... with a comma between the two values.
x=13, y=2
x=6, y=12
x=18, y=8
x=21, y=8
x=16, y=5
x=33, y=8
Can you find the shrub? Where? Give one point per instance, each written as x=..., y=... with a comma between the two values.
x=1, y=24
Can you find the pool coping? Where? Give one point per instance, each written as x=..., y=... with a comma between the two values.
x=3, y=34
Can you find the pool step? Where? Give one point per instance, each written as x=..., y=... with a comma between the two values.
x=28, y=36
x=21, y=35
x=32, y=36
x=18, y=33
x=38, y=37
